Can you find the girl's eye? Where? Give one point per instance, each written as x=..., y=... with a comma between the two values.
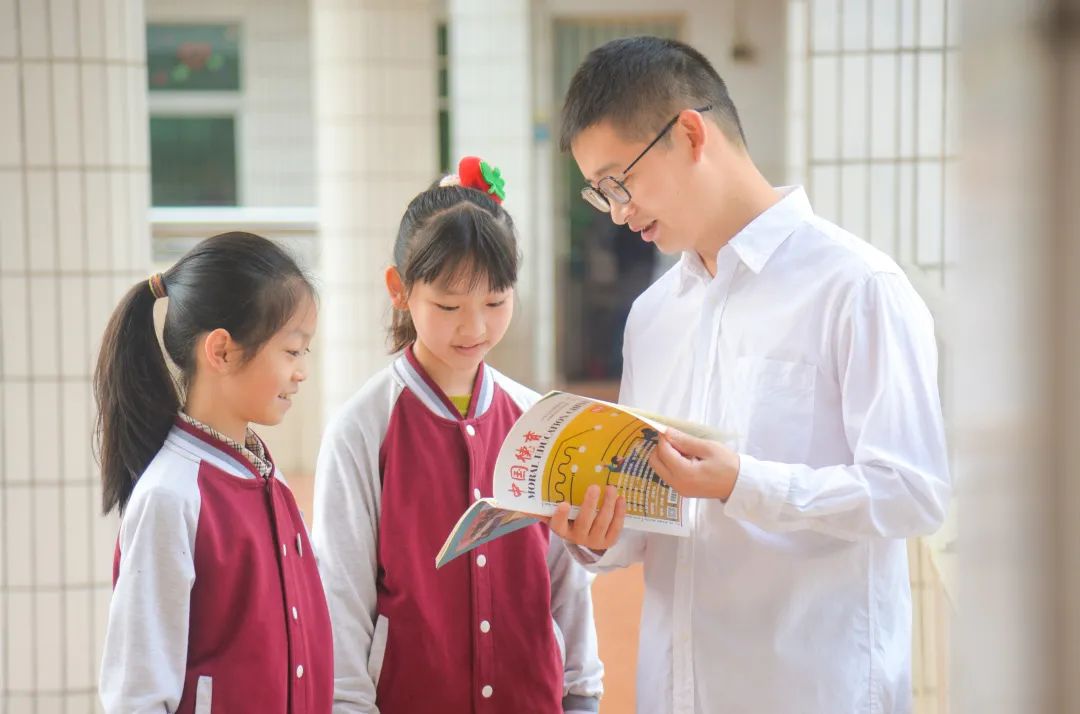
x=298, y=353
x=446, y=308
x=497, y=304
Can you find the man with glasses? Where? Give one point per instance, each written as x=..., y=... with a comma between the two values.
x=814, y=352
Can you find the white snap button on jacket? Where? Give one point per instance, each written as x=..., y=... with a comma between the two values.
x=476, y=493
x=299, y=671
x=487, y=691
x=470, y=430
x=481, y=560
x=295, y=613
x=299, y=546
x=485, y=626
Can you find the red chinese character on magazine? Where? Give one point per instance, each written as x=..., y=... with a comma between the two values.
x=524, y=453
x=517, y=473
x=532, y=436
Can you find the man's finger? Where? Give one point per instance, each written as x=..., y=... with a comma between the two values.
x=616, y=523
x=559, y=522
x=686, y=445
x=586, y=514
x=599, y=529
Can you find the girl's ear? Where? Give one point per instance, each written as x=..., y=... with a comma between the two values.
x=219, y=352
x=396, y=288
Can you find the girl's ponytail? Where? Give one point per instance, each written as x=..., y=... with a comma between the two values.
x=135, y=393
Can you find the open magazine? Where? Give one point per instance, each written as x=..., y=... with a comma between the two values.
x=560, y=447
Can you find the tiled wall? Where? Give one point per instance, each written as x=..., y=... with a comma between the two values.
x=73, y=177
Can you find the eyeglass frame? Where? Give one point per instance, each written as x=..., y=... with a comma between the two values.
x=591, y=190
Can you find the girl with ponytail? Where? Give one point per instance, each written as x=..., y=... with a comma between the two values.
x=213, y=574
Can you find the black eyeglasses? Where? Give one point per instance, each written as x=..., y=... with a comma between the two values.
x=609, y=189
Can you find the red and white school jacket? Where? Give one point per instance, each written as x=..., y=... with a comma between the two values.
x=506, y=628
x=217, y=604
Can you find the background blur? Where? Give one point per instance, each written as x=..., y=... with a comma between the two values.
x=945, y=132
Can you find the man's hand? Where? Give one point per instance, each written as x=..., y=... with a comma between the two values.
x=595, y=529
x=695, y=467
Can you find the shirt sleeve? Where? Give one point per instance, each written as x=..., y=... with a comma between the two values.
x=572, y=610
x=898, y=484
x=344, y=531
x=145, y=656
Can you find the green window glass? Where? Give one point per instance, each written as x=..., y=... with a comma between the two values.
x=193, y=57
x=193, y=161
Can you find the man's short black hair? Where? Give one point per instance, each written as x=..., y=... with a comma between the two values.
x=638, y=84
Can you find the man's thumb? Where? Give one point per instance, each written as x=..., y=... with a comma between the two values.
x=689, y=446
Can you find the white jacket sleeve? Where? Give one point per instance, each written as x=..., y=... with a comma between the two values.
x=145, y=657
x=898, y=484
x=344, y=532
x=572, y=610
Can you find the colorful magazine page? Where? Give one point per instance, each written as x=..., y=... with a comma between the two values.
x=483, y=522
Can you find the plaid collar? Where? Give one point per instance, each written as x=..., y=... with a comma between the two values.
x=252, y=449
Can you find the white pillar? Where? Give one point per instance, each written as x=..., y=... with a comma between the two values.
x=376, y=121
x=491, y=98
x=73, y=237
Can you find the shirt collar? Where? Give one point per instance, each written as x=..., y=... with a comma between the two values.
x=758, y=240
x=252, y=449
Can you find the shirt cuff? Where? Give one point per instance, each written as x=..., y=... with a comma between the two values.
x=586, y=557
x=761, y=490
x=577, y=704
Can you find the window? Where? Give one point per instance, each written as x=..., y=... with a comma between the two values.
x=194, y=82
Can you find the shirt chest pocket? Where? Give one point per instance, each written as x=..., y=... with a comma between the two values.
x=772, y=408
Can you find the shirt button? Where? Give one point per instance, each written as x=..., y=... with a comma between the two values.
x=485, y=626
x=470, y=430
x=476, y=493
x=487, y=691
x=481, y=560
x=284, y=550
x=299, y=546
x=299, y=671
x=295, y=614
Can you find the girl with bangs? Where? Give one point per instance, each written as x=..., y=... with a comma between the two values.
x=508, y=628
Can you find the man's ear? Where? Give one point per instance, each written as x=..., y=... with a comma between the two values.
x=396, y=288
x=693, y=125
x=219, y=352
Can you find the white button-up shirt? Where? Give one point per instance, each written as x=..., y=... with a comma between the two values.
x=813, y=350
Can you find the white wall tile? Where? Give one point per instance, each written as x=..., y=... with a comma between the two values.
x=41, y=219
x=78, y=425
x=92, y=28
x=824, y=138
x=13, y=247
x=883, y=117
x=70, y=221
x=906, y=108
x=931, y=104
x=75, y=360
x=883, y=206
x=855, y=24
x=930, y=216
x=49, y=636
x=65, y=101
x=931, y=23
x=93, y=116
x=824, y=191
x=18, y=530
x=854, y=189
x=10, y=115
x=825, y=26
x=46, y=460
x=9, y=42
x=116, y=131
x=20, y=642
x=48, y=538
x=98, y=228
x=80, y=505
x=37, y=114
x=884, y=26
x=855, y=109
x=64, y=28
x=80, y=657
x=44, y=329
x=15, y=313
x=33, y=29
